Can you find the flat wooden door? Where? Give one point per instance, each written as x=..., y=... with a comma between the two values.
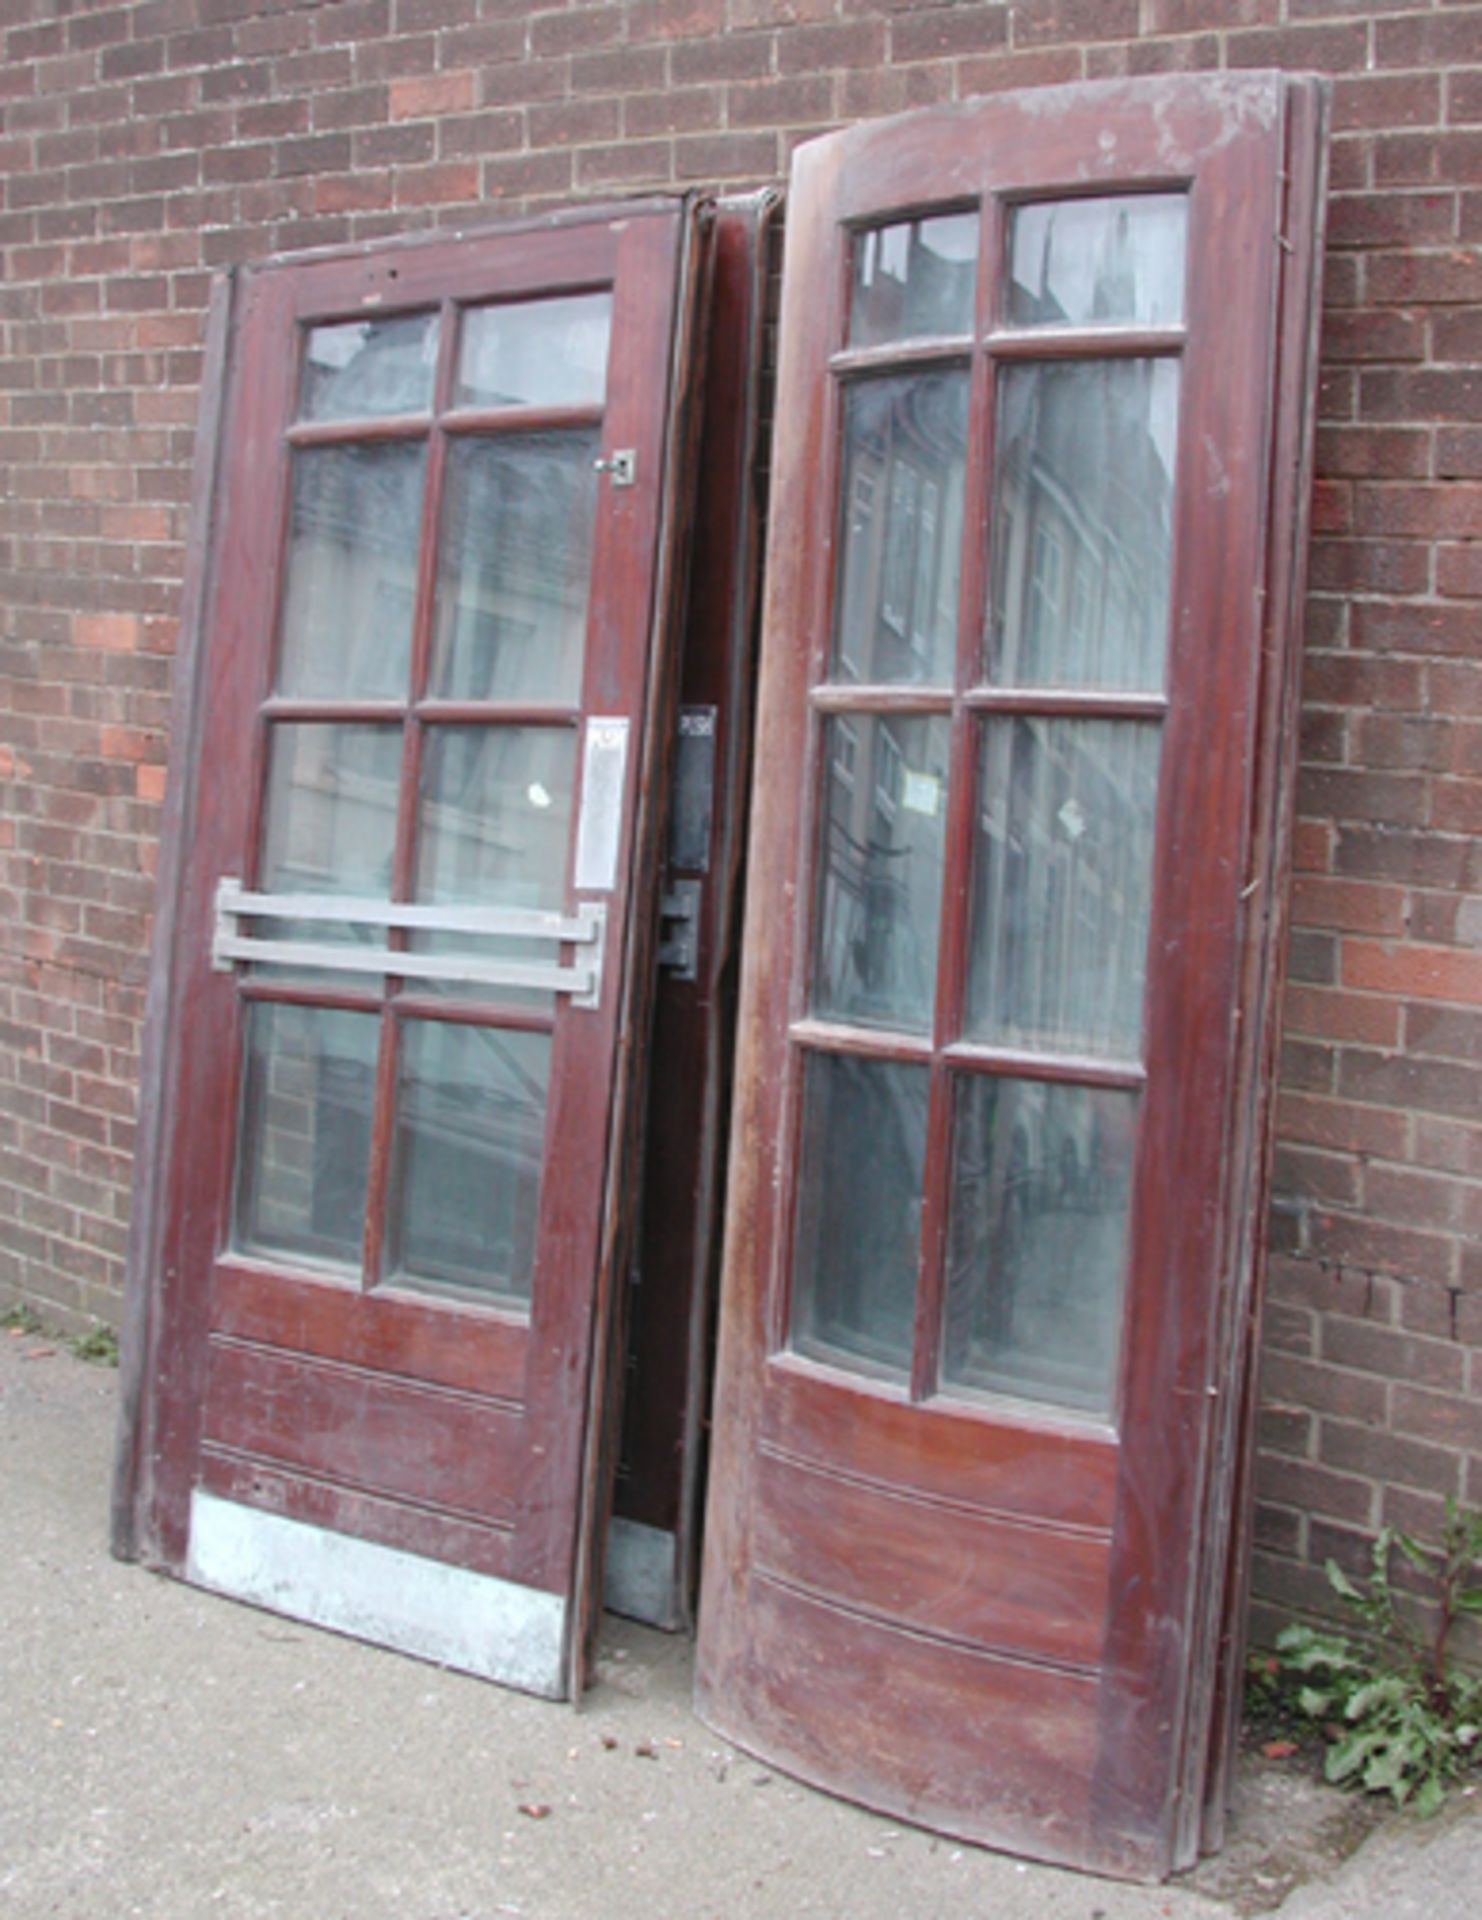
x=412, y=875
x=1026, y=672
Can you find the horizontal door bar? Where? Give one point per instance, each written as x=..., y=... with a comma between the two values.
x=585, y=928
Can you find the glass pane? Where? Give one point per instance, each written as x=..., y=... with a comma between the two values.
x=514, y=568
x=1083, y=524
x=495, y=817
x=1036, y=1241
x=880, y=869
x=465, y=1180
x=362, y=367
x=329, y=818
x=1062, y=874
x=1116, y=262
x=303, y=1147
x=537, y=353
x=913, y=278
x=329, y=826
x=352, y=572
x=901, y=528
x=859, y=1212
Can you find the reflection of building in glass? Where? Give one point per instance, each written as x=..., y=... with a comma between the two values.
x=1061, y=885
x=1084, y=514
x=470, y=1142
x=914, y=278
x=880, y=882
x=904, y=444
x=515, y=558
x=352, y=572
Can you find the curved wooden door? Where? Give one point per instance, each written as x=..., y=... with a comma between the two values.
x=1010, y=938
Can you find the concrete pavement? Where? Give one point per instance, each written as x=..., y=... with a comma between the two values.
x=168, y=1754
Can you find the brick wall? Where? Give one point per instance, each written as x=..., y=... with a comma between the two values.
x=142, y=145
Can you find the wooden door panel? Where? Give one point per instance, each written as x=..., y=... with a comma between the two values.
x=400, y=1337
x=1055, y=1475
x=366, y=1430
x=980, y=1280
x=481, y=1546
x=835, y=1697
x=937, y=1567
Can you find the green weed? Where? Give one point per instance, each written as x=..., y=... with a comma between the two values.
x=1401, y=1717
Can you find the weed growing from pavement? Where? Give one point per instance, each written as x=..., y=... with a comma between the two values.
x=98, y=1345
x=1399, y=1714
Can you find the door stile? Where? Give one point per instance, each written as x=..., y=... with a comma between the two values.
x=133, y=1493
x=1186, y=1112
x=1268, y=886
x=675, y=299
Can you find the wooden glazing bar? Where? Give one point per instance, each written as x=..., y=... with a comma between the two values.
x=377, y=1172
x=1085, y=343
x=411, y=1005
x=901, y=356
x=304, y=993
x=346, y=712
x=828, y=1036
x=972, y=600
x=499, y=420
x=338, y=433
x=488, y=713
x=1077, y=1069
x=845, y=698
x=1077, y=703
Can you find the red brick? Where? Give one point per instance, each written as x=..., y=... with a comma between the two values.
x=1194, y=16
x=1386, y=100
x=882, y=90
x=1419, y=972
x=1432, y=40
x=1436, y=512
x=942, y=32
x=1383, y=740
x=1452, y=274
x=449, y=183
x=422, y=96
x=1373, y=334
x=108, y=630
x=1452, y=1420
x=1349, y=906
x=1379, y=1455
x=1038, y=23
x=1342, y=1125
